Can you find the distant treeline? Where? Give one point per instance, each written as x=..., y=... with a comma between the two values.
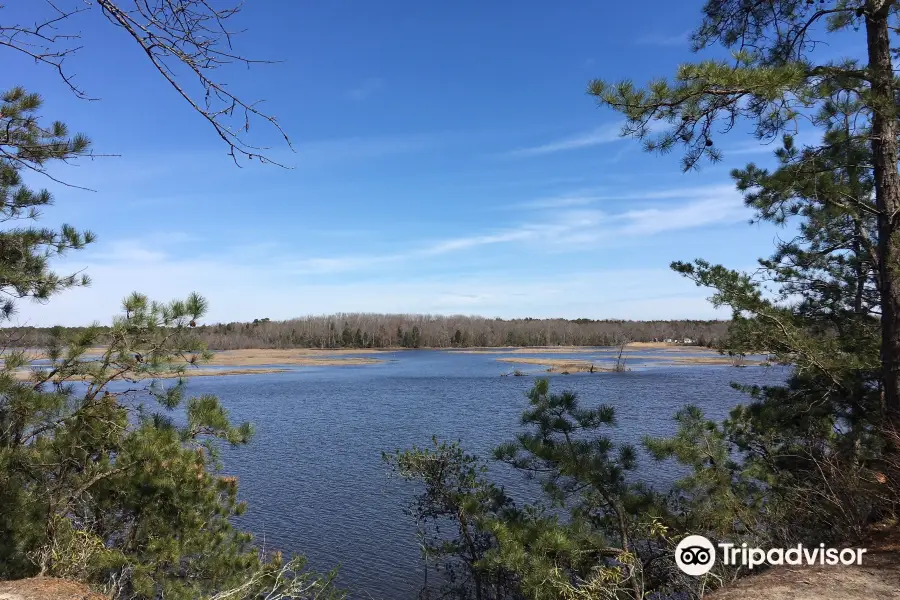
x=364, y=330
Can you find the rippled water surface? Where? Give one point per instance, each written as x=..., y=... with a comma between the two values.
x=313, y=475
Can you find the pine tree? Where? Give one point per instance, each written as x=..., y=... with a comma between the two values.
x=583, y=539
x=26, y=252
x=812, y=452
x=583, y=472
x=454, y=490
x=107, y=486
x=773, y=81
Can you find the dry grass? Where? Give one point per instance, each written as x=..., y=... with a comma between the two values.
x=584, y=349
x=712, y=359
x=252, y=358
x=579, y=366
x=300, y=357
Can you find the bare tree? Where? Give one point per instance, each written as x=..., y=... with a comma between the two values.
x=389, y=330
x=621, y=343
x=186, y=41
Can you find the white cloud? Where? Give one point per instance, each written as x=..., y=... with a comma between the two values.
x=675, y=193
x=272, y=279
x=502, y=237
x=564, y=201
x=694, y=214
x=559, y=228
x=245, y=294
x=594, y=137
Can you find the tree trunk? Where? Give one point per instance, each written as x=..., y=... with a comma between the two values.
x=887, y=195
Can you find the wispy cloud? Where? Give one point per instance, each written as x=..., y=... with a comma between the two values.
x=366, y=89
x=288, y=282
x=657, y=39
x=564, y=201
x=594, y=137
x=244, y=294
x=698, y=213
x=563, y=229
x=722, y=190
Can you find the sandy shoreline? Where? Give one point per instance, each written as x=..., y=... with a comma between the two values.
x=575, y=365
x=301, y=357
x=583, y=349
x=273, y=359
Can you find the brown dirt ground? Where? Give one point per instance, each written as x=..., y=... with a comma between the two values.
x=46, y=588
x=876, y=579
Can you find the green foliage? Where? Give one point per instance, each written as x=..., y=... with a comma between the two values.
x=799, y=462
x=770, y=81
x=588, y=537
x=25, y=252
x=107, y=473
x=813, y=460
x=810, y=451
x=102, y=485
x=582, y=472
x=455, y=494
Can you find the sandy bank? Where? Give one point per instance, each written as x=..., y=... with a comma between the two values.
x=574, y=365
x=712, y=359
x=583, y=349
x=300, y=357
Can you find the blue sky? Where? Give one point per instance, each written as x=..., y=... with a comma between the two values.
x=448, y=160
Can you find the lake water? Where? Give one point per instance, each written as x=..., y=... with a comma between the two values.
x=313, y=475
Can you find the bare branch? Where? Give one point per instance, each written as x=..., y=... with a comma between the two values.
x=185, y=40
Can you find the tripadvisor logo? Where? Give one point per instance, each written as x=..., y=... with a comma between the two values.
x=695, y=555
